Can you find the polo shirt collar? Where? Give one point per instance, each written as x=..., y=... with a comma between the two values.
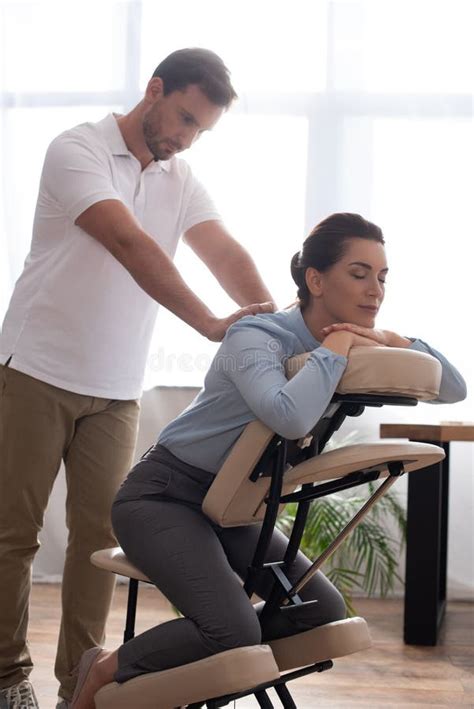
x=114, y=138
x=300, y=329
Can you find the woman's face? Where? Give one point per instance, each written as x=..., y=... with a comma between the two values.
x=353, y=289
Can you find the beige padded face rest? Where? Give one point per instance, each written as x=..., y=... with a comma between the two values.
x=230, y=671
x=115, y=560
x=233, y=500
x=343, y=637
x=384, y=370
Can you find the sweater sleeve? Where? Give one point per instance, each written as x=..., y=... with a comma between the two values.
x=290, y=408
x=453, y=386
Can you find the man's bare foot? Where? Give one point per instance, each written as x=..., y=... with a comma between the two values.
x=101, y=671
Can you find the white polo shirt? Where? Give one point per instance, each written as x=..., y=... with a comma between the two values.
x=77, y=319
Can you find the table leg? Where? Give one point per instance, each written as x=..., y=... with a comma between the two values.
x=426, y=558
x=444, y=524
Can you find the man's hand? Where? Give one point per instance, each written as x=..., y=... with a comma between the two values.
x=219, y=326
x=380, y=337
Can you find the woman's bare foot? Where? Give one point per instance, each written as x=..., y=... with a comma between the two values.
x=101, y=672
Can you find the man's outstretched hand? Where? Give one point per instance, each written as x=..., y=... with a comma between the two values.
x=219, y=326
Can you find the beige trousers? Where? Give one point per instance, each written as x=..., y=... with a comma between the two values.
x=40, y=425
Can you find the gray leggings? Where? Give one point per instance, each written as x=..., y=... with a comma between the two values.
x=196, y=564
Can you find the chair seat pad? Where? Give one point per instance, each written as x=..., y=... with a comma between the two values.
x=115, y=560
x=362, y=456
x=234, y=500
x=342, y=637
x=225, y=673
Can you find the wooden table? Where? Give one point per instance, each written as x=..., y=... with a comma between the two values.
x=427, y=530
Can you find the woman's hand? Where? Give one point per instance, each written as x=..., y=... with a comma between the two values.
x=341, y=341
x=385, y=338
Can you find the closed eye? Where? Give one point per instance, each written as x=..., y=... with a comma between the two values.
x=360, y=278
x=367, y=268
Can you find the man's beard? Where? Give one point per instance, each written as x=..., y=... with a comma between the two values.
x=153, y=143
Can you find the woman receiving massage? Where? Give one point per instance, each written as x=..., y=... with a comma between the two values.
x=340, y=274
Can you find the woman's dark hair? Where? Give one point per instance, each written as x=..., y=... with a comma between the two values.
x=326, y=245
x=197, y=66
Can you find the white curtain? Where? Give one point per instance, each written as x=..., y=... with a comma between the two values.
x=345, y=105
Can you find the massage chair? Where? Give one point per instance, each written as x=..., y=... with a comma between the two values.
x=262, y=474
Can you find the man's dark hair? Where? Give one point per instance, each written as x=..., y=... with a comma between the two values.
x=200, y=67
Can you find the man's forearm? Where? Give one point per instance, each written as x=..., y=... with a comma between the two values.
x=111, y=223
x=228, y=261
x=155, y=273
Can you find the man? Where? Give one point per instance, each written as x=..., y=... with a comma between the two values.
x=113, y=202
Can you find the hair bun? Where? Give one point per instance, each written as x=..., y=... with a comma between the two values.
x=296, y=269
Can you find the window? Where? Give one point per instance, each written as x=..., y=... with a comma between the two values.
x=344, y=106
